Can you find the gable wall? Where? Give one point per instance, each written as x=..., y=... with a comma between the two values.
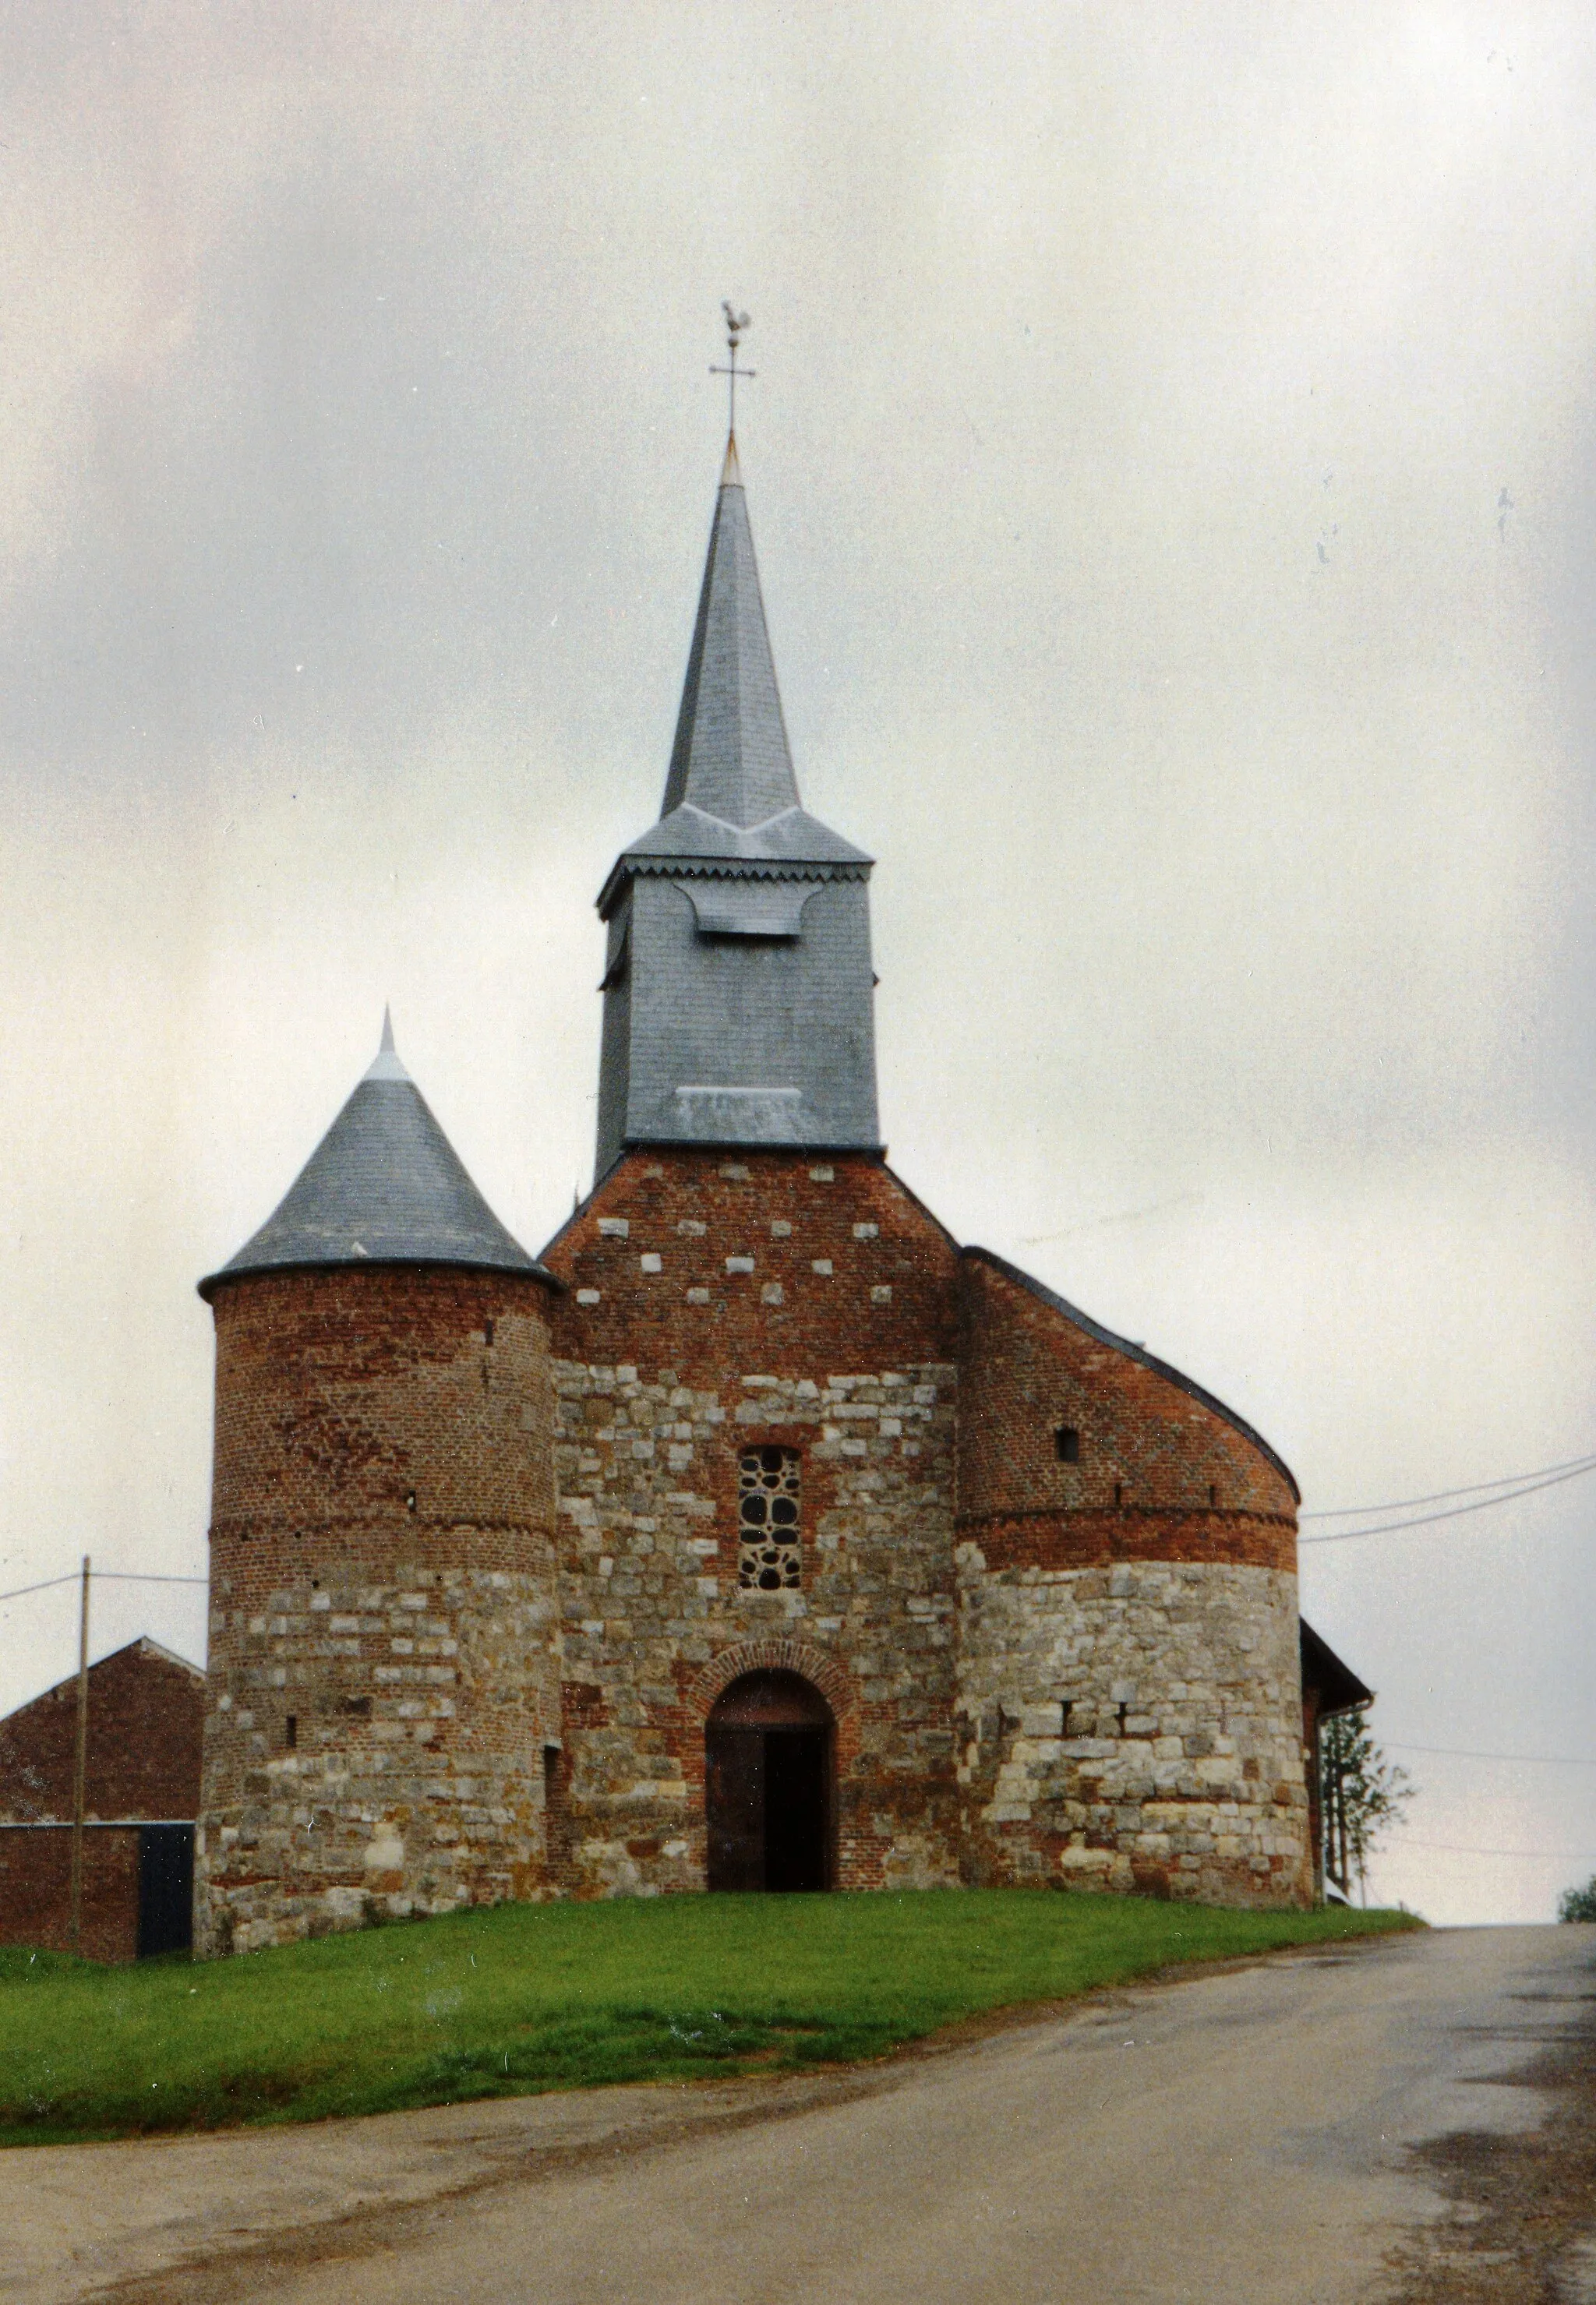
x=664, y=1377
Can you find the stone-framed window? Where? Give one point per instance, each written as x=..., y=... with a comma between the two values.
x=768, y=1525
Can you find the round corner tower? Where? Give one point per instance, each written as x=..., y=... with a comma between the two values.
x=382, y=1681
x=1129, y=1662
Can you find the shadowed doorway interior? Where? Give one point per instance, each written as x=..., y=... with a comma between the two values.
x=768, y=1784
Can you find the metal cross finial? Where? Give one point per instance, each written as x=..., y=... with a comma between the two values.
x=735, y=322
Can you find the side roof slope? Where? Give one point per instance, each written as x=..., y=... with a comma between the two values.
x=1141, y=1356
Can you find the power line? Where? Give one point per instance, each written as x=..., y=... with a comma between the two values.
x=143, y=1576
x=42, y=1587
x=1461, y=1753
x=1546, y=1856
x=1441, y=1496
x=1453, y=1512
x=103, y=1577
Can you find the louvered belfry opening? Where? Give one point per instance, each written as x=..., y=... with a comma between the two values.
x=769, y=1747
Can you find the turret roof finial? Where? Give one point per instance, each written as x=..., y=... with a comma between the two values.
x=386, y=1064
x=735, y=323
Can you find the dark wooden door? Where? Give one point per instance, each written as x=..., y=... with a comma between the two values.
x=734, y=1806
x=165, y=1889
x=769, y=1807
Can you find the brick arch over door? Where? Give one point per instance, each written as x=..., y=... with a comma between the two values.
x=774, y=1654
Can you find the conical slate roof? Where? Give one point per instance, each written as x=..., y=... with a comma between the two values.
x=383, y=1187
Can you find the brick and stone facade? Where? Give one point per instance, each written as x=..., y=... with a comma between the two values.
x=717, y=1305
x=962, y=1586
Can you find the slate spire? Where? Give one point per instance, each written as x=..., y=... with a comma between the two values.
x=383, y=1187
x=737, y=983
x=731, y=756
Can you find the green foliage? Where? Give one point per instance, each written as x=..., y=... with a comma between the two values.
x=1373, y=1791
x=1578, y=1904
x=519, y=1998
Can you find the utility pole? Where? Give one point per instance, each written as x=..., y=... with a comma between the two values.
x=74, y=1927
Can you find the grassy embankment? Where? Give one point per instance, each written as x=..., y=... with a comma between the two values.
x=522, y=1998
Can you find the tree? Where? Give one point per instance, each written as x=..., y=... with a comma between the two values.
x=1362, y=1796
x=1578, y=1904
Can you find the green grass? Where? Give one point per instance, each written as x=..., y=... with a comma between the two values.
x=522, y=1998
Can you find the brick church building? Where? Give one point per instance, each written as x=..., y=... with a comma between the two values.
x=756, y=1535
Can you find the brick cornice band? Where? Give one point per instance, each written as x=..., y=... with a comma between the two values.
x=1048, y=1538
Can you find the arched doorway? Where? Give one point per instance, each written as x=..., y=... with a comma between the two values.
x=768, y=1784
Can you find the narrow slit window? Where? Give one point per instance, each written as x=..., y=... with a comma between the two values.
x=1066, y=1443
x=291, y=1732
x=770, y=1558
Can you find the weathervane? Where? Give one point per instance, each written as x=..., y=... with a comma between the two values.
x=735, y=322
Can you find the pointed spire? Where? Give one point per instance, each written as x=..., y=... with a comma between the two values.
x=385, y=1064
x=731, y=757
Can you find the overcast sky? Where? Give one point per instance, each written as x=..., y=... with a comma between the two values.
x=1171, y=465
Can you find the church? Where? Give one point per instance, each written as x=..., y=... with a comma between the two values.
x=756, y=1535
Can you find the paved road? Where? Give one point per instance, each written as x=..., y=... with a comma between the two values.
x=1233, y=2135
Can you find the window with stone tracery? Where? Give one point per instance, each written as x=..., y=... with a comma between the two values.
x=767, y=1520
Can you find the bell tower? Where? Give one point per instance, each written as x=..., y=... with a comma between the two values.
x=737, y=985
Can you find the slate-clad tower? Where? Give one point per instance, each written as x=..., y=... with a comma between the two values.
x=381, y=1683
x=737, y=985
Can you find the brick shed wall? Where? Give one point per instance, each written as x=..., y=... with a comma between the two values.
x=1152, y=1587
x=146, y=1717
x=36, y=1889
x=719, y=1301
x=381, y=1571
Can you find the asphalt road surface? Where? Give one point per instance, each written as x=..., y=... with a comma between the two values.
x=1281, y=2134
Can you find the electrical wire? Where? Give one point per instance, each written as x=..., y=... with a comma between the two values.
x=1453, y=1512
x=1441, y=1496
x=102, y=1577
x=43, y=1586
x=1546, y=1855
x=141, y=1577
x=1462, y=1753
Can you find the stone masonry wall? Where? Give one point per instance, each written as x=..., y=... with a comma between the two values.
x=719, y=1303
x=1136, y=1726
x=382, y=1683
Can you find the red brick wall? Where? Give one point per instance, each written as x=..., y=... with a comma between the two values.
x=382, y=1579
x=36, y=1890
x=146, y=1715
x=1161, y=1476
